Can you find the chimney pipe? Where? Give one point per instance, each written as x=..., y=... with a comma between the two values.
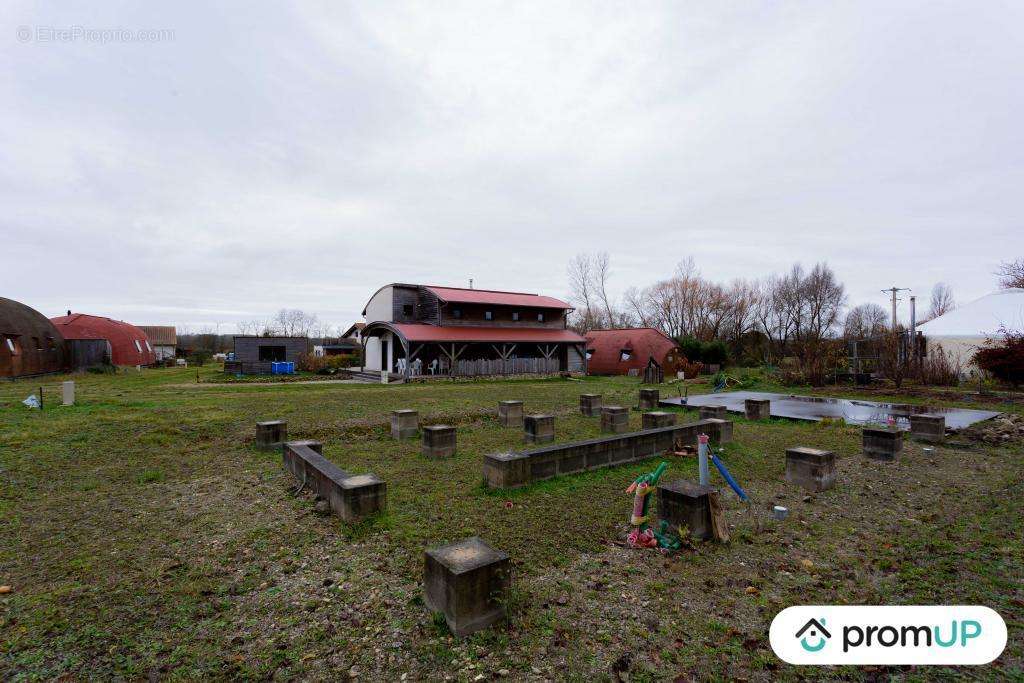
x=471, y=283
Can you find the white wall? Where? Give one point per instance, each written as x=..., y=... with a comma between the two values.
x=961, y=349
x=380, y=306
x=372, y=353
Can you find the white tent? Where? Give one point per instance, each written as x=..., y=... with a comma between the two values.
x=960, y=332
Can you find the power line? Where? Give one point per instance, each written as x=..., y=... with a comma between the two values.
x=893, y=291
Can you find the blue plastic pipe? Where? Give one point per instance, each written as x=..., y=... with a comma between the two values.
x=728, y=477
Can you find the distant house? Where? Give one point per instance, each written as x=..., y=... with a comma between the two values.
x=126, y=344
x=627, y=351
x=428, y=329
x=254, y=355
x=163, y=339
x=355, y=332
x=29, y=343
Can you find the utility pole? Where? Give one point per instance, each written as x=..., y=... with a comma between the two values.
x=893, y=290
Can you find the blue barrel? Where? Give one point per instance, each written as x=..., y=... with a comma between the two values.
x=291, y=367
x=275, y=368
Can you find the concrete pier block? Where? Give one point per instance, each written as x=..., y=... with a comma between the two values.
x=468, y=581
x=649, y=399
x=510, y=413
x=685, y=504
x=614, y=419
x=404, y=424
x=757, y=408
x=810, y=468
x=713, y=412
x=720, y=431
x=882, y=443
x=539, y=428
x=928, y=427
x=655, y=419
x=438, y=441
x=271, y=434
x=590, y=404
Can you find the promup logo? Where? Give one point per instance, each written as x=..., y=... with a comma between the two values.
x=817, y=630
x=956, y=634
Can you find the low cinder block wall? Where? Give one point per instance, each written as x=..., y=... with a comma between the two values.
x=350, y=497
x=509, y=470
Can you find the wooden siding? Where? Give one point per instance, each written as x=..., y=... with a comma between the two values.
x=247, y=349
x=473, y=316
x=402, y=297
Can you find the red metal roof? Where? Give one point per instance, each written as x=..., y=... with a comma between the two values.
x=486, y=296
x=606, y=347
x=121, y=335
x=459, y=333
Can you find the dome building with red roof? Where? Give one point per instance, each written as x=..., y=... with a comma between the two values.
x=620, y=351
x=29, y=343
x=128, y=344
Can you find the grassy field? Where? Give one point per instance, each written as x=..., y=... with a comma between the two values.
x=143, y=536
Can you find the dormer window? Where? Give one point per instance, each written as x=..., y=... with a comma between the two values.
x=407, y=310
x=138, y=346
x=488, y=315
x=456, y=313
x=540, y=317
x=625, y=355
x=515, y=315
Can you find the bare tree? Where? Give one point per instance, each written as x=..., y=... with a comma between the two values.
x=1011, y=274
x=293, y=322
x=942, y=301
x=580, y=293
x=865, y=322
x=601, y=272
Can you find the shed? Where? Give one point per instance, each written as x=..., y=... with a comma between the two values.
x=30, y=345
x=618, y=351
x=961, y=331
x=254, y=355
x=128, y=344
x=163, y=339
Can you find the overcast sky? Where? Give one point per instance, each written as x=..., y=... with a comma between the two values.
x=264, y=157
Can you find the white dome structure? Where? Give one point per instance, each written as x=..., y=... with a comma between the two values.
x=960, y=332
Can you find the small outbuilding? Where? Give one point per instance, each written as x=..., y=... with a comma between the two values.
x=29, y=343
x=163, y=339
x=963, y=330
x=627, y=351
x=128, y=345
x=253, y=355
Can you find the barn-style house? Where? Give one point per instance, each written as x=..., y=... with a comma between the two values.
x=431, y=330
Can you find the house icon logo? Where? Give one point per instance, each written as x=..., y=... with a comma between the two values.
x=817, y=633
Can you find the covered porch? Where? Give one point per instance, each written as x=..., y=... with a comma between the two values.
x=413, y=350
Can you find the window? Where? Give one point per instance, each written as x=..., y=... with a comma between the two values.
x=515, y=315
x=12, y=345
x=407, y=310
x=50, y=344
x=148, y=347
x=138, y=346
x=540, y=317
x=35, y=342
x=456, y=312
x=271, y=354
x=625, y=355
x=488, y=315
x=590, y=353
